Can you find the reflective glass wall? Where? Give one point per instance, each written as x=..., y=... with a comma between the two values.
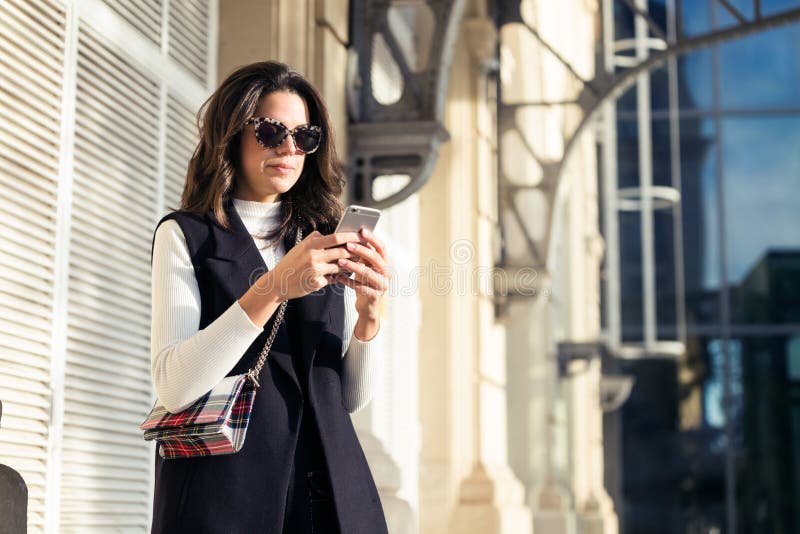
x=710, y=441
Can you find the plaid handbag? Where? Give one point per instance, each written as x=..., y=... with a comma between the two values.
x=216, y=423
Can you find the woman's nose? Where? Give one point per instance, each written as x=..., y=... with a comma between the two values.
x=287, y=145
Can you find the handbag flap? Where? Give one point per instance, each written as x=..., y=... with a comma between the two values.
x=212, y=407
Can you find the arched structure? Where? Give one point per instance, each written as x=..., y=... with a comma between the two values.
x=591, y=94
x=398, y=72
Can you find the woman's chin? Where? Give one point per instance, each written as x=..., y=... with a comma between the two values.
x=281, y=184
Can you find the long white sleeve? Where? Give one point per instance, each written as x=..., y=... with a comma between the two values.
x=361, y=364
x=187, y=362
x=182, y=369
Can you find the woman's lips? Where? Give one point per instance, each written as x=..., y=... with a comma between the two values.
x=283, y=169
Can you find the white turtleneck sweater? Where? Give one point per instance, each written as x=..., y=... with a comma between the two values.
x=187, y=362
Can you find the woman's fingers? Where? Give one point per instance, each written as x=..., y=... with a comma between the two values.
x=358, y=286
x=373, y=279
x=356, y=252
x=372, y=240
x=373, y=256
x=333, y=240
x=330, y=255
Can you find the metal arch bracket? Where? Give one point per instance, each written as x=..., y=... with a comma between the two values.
x=615, y=387
x=602, y=88
x=402, y=138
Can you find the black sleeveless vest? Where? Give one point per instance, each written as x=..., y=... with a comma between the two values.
x=298, y=417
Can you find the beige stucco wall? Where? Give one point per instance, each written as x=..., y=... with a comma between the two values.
x=309, y=35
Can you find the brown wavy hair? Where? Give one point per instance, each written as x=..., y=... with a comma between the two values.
x=313, y=202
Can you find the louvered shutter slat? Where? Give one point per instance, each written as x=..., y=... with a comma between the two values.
x=88, y=164
x=21, y=152
x=107, y=389
x=31, y=60
x=181, y=140
x=77, y=445
x=31, y=31
x=113, y=188
x=30, y=66
x=188, y=33
x=13, y=178
x=144, y=16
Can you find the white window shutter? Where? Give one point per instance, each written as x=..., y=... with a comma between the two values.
x=32, y=43
x=105, y=481
x=71, y=409
x=181, y=141
x=188, y=36
x=144, y=15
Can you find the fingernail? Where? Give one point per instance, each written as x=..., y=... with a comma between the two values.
x=351, y=246
x=342, y=261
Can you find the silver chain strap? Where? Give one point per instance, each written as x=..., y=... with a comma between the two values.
x=255, y=371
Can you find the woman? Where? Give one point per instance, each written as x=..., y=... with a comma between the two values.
x=264, y=169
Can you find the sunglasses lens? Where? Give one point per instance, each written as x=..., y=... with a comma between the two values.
x=307, y=139
x=270, y=135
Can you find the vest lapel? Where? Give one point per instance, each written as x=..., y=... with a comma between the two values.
x=234, y=259
x=236, y=264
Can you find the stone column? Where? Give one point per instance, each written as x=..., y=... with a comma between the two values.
x=491, y=498
x=388, y=427
x=581, y=385
x=536, y=315
x=594, y=507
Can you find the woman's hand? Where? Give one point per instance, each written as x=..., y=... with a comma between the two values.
x=308, y=266
x=371, y=279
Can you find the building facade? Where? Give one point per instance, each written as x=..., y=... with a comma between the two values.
x=544, y=346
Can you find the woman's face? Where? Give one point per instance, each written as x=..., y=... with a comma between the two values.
x=266, y=173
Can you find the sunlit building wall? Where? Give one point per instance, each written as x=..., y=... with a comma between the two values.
x=492, y=412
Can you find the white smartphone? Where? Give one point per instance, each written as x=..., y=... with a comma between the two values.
x=354, y=218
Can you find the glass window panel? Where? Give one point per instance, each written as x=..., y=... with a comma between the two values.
x=762, y=70
x=630, y=251
x=659, y=94
x=663, y=235
x=793, y=358
x=762, y=220
x=774, y=7
x=700, y=215
x=628, y=153
x=627, y=102
x=623, y=21
x=673, y=462
x=659, y=88
x=766, y=445
x=658, y=13
x=695, y=84
x=725, y=19
x=700, y=221
x=664, y=244
x=661, y=152
x=695, y=17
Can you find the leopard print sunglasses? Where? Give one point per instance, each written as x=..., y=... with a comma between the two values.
x=271, y=133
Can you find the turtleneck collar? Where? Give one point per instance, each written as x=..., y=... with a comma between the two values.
x=258, y=216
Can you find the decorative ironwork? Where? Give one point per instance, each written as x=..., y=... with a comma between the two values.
x=397, y=136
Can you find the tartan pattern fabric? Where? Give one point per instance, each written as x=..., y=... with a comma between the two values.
x=214, y=424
